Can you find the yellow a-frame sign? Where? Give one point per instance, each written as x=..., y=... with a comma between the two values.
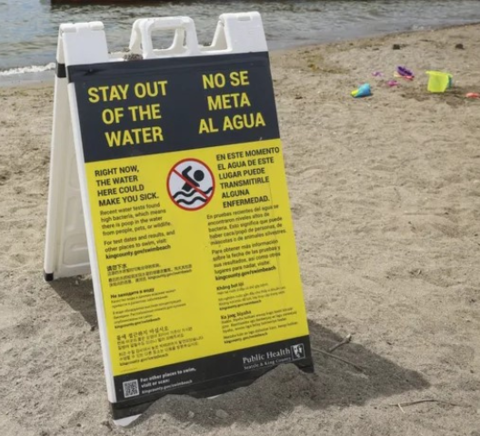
x=168, y=184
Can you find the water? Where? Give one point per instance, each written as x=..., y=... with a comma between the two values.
x=29, y=28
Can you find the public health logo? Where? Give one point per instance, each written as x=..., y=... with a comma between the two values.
x=298, y=351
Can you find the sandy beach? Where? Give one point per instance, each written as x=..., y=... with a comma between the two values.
x=385, y=197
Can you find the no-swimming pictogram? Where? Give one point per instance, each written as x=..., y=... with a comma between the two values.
x=190, y=184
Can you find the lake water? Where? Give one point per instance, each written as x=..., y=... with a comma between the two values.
x=29, y=28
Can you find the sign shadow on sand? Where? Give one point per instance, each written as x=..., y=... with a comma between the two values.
x=280, y=391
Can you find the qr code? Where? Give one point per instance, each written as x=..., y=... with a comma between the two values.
x=130, y=388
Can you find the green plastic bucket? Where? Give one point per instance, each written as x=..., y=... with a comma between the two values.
x=439, y=81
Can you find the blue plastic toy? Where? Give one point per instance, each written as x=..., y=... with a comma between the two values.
x=363, y=91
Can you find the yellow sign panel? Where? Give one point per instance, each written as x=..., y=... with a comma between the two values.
x=174, y=291
x=191, y=222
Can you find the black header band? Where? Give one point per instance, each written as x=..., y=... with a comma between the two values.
x=162, y=105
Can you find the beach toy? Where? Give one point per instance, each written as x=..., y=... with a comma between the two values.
x=405, y=73
x=392, y=83
x=395, y=74
x=377, y=74
x=362, y=91
x=439, y=81
x=472, y=95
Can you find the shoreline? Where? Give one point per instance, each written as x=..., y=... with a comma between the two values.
x=48, y=76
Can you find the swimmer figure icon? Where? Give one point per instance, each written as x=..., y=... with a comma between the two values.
x=190, y=184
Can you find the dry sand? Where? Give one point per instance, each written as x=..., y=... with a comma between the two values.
x=385, y=194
